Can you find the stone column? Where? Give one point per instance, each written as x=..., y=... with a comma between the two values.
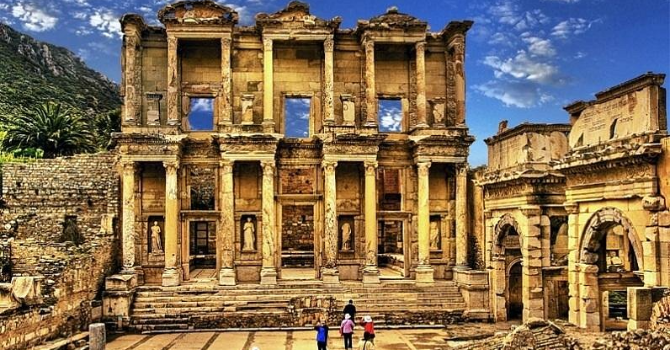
x=329, y=272
x=225, y=101
x=174, y=80
x=172, y=272
x=268, y=86
x=268, y=270
x=459, y=62
x=573, y=262
x=424, y=272
x=227, y=224
x=462, y=216
x=132, y=75
x=370, y=90
x=531, y=269
x=128, y=225
x=589, y=298
x=421, y=119
x=370, y=272
x=329, y=104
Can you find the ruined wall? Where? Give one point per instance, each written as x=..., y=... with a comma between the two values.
x=36, y=198
x=527, y=148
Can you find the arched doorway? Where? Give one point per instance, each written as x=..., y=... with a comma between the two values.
x=514, y=291
x=610, y=254
x=507, y=271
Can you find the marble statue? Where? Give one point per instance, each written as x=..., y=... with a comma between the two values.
x=249, y=234
x=156, y=244
x=434, y=235
x=346, y=236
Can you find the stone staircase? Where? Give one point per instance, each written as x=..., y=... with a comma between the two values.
x=292, y=304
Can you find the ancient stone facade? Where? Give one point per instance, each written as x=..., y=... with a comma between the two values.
x=241, y=196
x=59, y=217
x=526, y=225
x=584, y=213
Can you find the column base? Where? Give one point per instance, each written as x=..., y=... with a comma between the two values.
x=226, y=277
x=370, y=275
x=269, y=276
x=171, y=277
x=424, y=274
x=330, y=275
x=421, y=126
x=268, y=126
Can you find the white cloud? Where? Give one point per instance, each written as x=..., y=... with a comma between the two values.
x=81, y=31
x=4, y=6
x=202, y=104
x=107, y=23
x=523, y=67
x=539, y=47
x=80, y=15
x=508, y=13
x=246, y=17
x=572, y=26
x=514, y=94
x=33, y=18
x=390, y=118
x=501, y=38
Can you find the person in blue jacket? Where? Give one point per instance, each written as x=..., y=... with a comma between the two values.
x=321, y=336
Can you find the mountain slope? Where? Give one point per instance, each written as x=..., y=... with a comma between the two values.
x=32, y=72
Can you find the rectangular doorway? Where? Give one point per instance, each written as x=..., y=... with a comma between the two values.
x=202, y=244
x=297, y=242
x=390, y=249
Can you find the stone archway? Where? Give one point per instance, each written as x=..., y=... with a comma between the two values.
x=507, y=226
x=592, y=254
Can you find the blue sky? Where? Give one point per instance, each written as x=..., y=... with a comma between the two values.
x=525, y=58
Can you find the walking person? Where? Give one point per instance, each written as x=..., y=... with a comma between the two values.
x=347, y=331
x=350, y=309
x=321, y=336
x=369, y=329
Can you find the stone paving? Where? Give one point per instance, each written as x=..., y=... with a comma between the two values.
x=387, y=339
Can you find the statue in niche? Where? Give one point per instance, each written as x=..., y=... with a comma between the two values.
x=249, y=235
x=156, y=244
x=614, y=262
x=346, y=236
x=434, y=235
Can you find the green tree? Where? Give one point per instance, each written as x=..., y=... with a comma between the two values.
x=55, y=129
x=105, y=124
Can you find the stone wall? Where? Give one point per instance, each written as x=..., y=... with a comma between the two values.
x=36, y=199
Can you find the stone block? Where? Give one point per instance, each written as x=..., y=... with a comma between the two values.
x=121, y=282
x=588, y=305
x=97, y=336
x=664, y=218
x=639, y=303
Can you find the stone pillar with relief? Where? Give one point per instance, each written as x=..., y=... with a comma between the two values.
x=462, y=217
x=225, y=102
x=329, y=75
x=268, y=86
x=370, y=271
x=132, y=75
x=370, y=90
x=128, y=224
x=172, y=272
x=174, y=80
x=268, y=269
x=457, y=47
x=329, y=271
x=424, y=272
x=227, y=224
x=421, y=115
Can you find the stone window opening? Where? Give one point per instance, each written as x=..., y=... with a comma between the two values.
x=297, y=112
x=613, y=134
x=200, y=114
x=390, y=114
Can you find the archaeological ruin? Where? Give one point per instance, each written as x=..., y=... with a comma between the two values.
x=272, y=172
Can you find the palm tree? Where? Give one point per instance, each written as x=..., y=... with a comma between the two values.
x=55, y=129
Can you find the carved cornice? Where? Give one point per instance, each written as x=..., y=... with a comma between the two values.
x=624, y=88
x=132, y=19
x=528, y=127
x=197, y=12
x=454, y=28
x=392, y=19
x=295, y=15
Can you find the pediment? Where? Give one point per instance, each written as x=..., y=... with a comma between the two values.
x=197, y=12
x=393, y=19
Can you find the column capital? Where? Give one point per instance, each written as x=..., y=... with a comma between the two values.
x=226, y=42
x=462, y=169
x=370, y=167
x=329, y=43
x=571, y=208
x=226, y=165
x=268, y=167
x=368, y=44
x=420, y=46
x=267, y=44
x=531, y=210
x=423, y=167
x=128, y=165
x=329, y=166
x=171, y=165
